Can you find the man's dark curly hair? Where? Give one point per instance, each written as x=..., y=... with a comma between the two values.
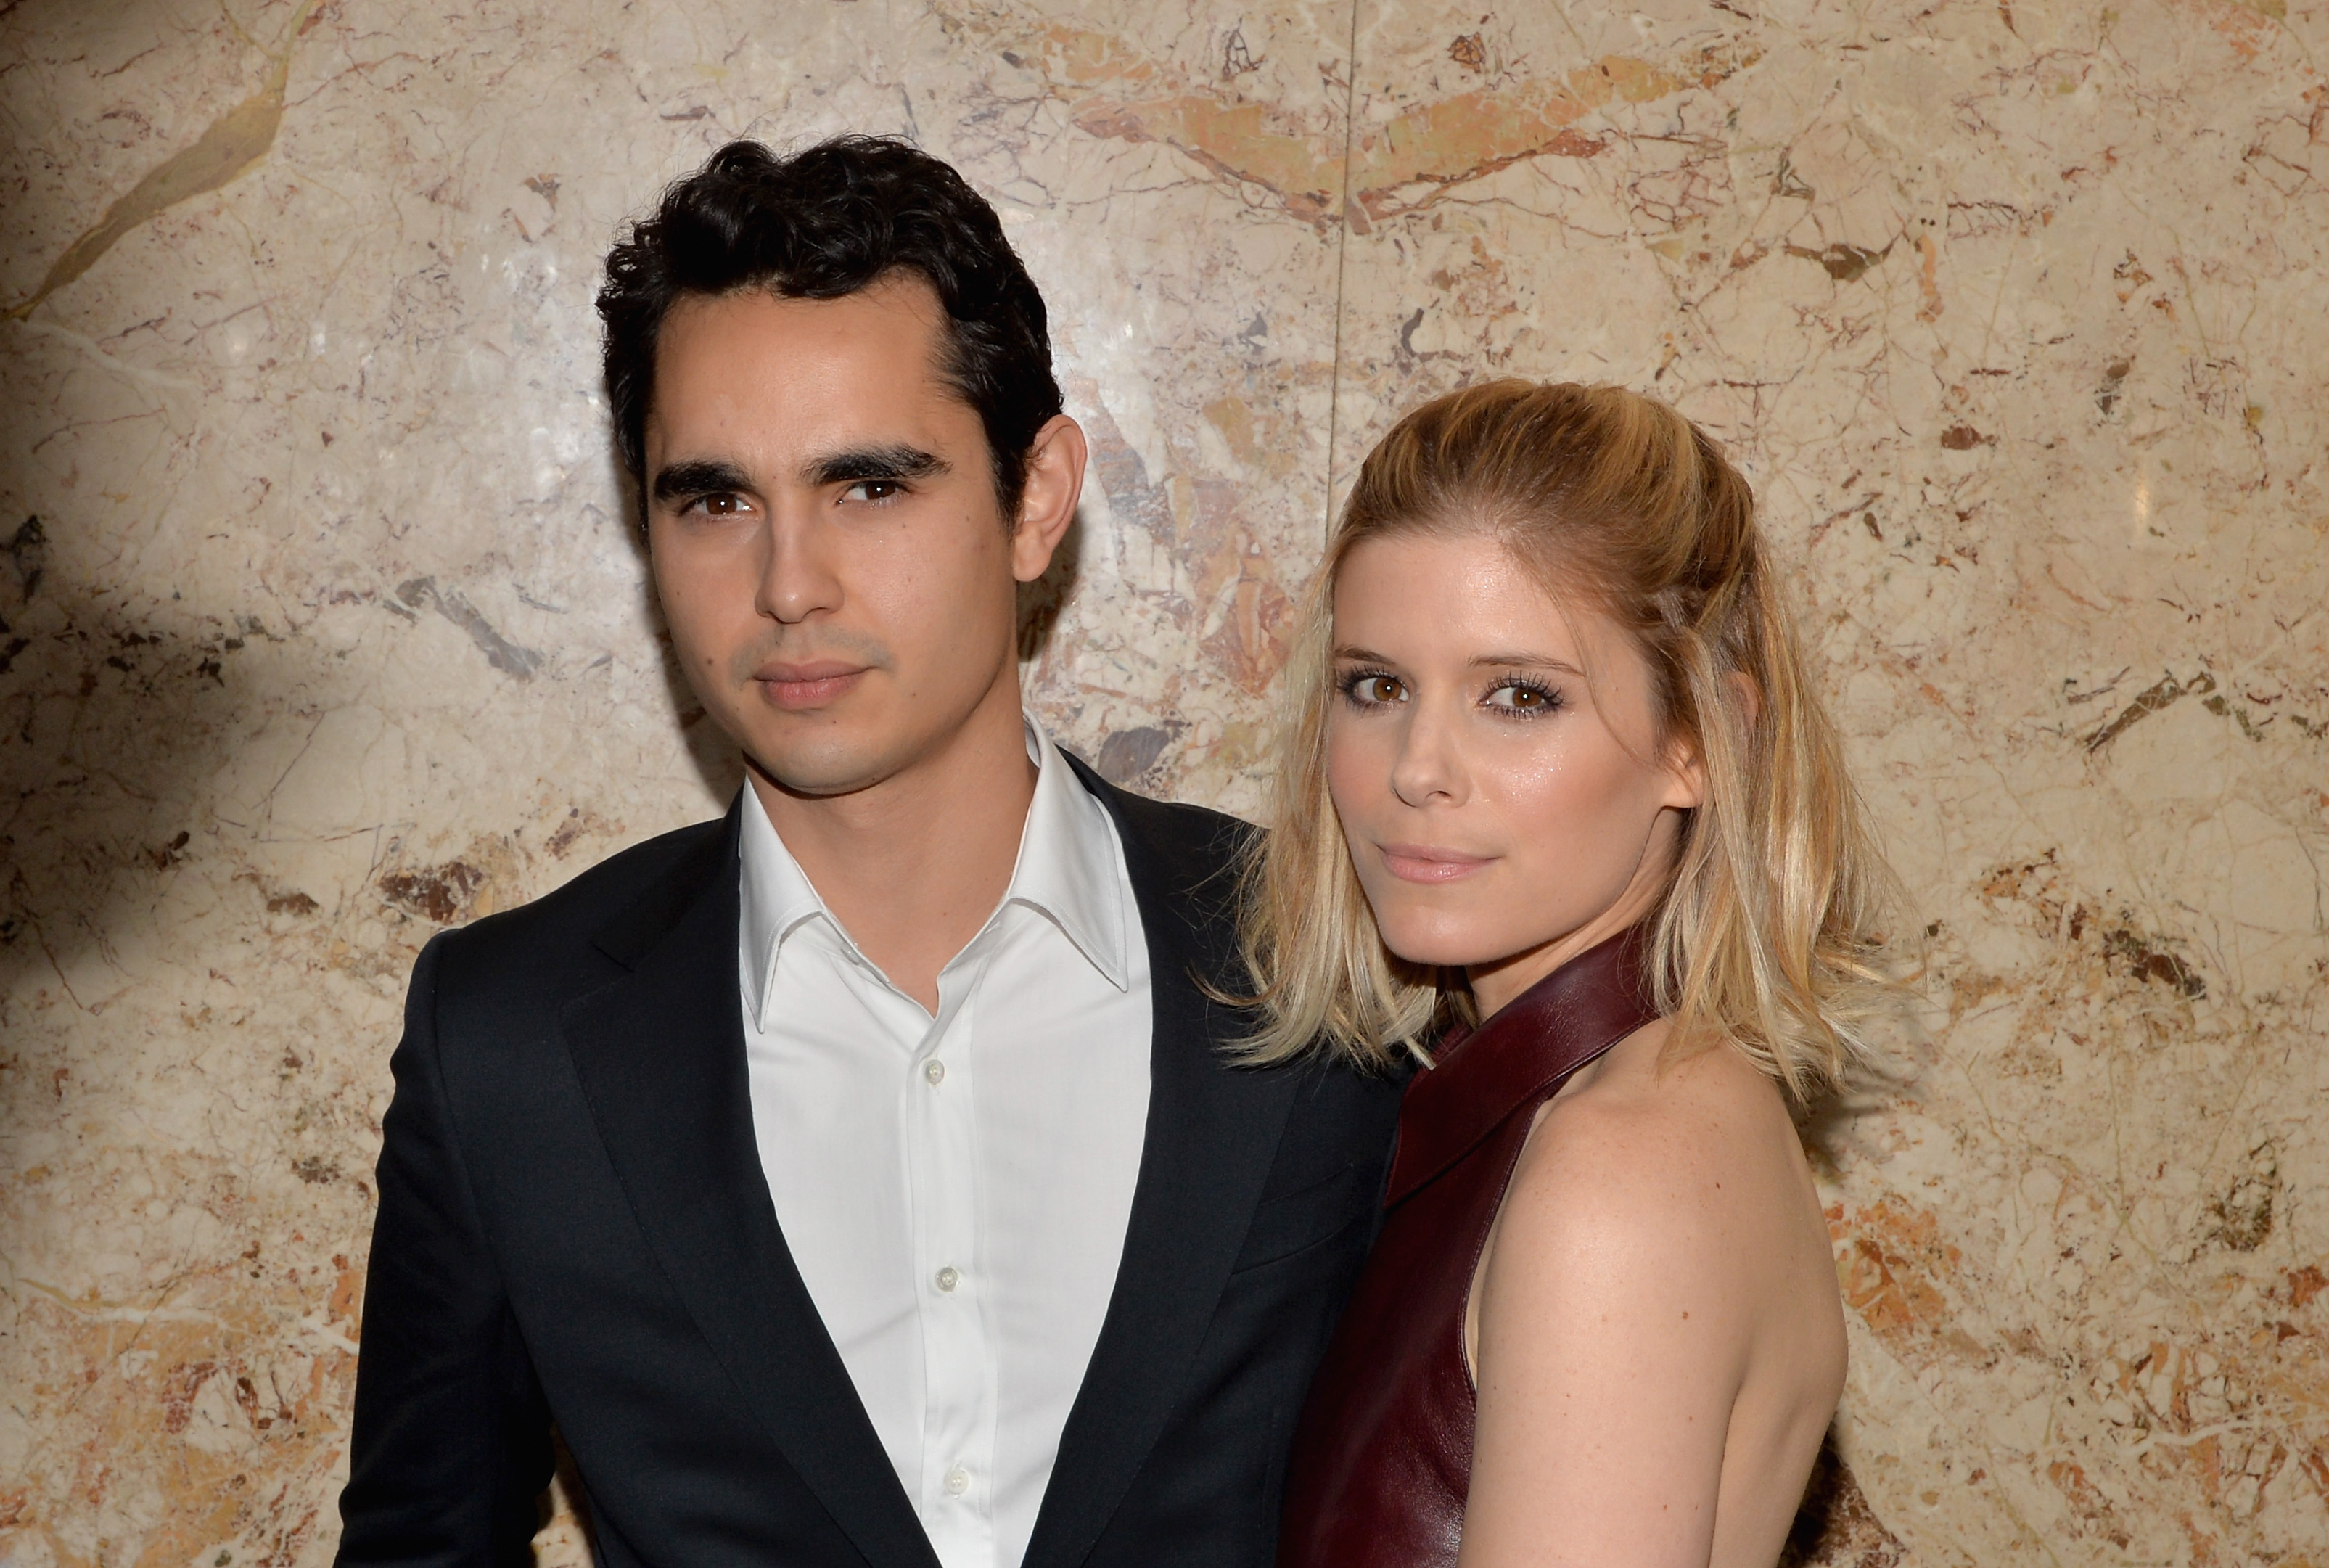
x=821, y=224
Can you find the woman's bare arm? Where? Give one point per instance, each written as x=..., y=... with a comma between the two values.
x=1622, y=1301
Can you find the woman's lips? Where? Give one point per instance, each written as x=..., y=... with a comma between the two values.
x=808, y=686
x=1424, y=863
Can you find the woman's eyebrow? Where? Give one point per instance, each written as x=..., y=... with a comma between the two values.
x=1363, y=655
x=1532, y=661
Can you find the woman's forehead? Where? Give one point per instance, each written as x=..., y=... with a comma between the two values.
x=1466, y=586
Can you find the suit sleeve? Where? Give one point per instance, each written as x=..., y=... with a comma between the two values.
x=452, y=1446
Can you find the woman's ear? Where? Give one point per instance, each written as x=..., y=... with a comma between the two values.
x=1748, y=694
x=1685, y=775
x=1686, y=761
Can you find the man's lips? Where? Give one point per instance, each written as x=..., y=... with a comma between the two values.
x=1427, y=862
x=808, y=685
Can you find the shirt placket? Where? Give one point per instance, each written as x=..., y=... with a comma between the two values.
x=957, y=1501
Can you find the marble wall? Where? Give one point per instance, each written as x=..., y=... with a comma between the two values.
x=320, y=627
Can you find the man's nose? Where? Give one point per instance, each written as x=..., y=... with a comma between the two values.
x=798, y=576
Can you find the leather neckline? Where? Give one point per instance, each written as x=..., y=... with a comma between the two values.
x=1517, y=1054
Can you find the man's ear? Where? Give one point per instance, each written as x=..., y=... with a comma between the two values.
x=1055, y=479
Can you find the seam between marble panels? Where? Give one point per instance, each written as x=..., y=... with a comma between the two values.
x=1341, y=262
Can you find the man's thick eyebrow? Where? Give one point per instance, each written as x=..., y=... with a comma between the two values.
x=862, y=463
x=702, y=476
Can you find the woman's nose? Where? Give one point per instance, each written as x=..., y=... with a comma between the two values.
x=1429, y=766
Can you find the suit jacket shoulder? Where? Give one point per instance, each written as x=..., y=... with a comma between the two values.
x=583, y=932
x=1194, y=838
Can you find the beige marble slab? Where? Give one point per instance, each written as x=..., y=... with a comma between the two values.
x=325, y=626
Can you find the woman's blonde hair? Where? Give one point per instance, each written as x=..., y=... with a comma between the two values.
x=1767, y=931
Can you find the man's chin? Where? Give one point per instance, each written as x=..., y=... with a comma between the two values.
x=854, y=746
x=823, y=766
x=821, y=778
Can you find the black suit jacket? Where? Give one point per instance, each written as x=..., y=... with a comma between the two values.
x=574, y=1229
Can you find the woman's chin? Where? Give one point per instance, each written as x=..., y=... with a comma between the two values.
x=1439, y=950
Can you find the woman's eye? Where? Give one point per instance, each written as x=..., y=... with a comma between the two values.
x=1374, y=691
x=1524, y=697
x=873, y=490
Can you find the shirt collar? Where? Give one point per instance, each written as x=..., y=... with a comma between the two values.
x=1069, y=871
x=777, y=899
x=1070, y=867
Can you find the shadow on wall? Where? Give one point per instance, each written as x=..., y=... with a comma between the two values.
x=1835, y=1527
x=110, y=732
x=118, y=733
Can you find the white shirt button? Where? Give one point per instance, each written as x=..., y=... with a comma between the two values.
x=933, y=1073
x=948, y=1278
x=957, y=1481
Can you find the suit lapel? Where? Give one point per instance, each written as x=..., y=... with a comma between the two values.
x=1211, y=1135
x=660, y=1053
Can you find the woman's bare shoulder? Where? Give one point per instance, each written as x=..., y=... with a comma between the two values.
x=1658, y=1283
x=1657, y=1154
x=1619, y=1299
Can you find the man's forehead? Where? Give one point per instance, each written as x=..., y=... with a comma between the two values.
x=796, y=374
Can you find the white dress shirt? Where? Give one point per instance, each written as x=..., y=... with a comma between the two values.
x=955, y=1189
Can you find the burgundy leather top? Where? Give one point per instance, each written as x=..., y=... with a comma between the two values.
x=1382, y=1457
